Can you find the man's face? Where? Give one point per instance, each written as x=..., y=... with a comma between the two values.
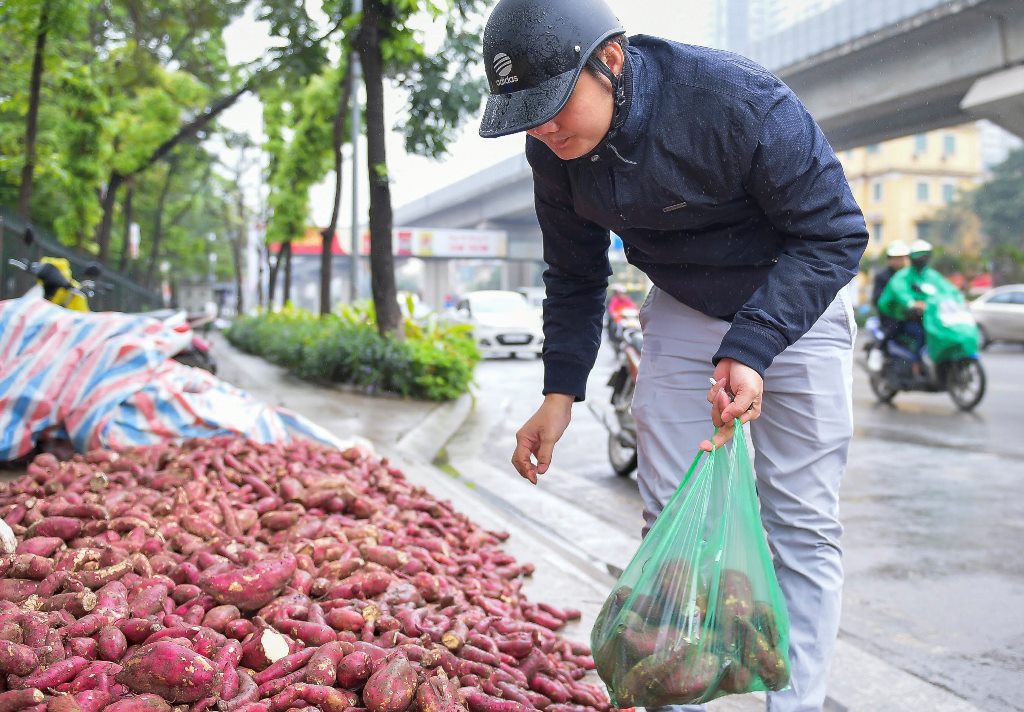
x=579, y=127
x=898, y=262
x=920, y=259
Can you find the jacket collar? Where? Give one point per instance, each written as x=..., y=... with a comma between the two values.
x=628, y=123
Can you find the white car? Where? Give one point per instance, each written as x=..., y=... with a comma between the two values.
x=503, y=323
x=1000, y=314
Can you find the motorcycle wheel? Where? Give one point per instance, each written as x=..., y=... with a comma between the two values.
x=622, y=457
x=884, y=391
x=965, y=382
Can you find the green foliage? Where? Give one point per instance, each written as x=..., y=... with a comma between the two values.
x=434, y=362
x=1000, y=203
x=83, y=145
x=299, y=163
x=442, y=93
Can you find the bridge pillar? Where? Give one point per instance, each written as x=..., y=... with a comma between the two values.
x=998, y=97
x=436, y=282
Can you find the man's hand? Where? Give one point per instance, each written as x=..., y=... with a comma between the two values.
x=744, y=383
x=537, y=438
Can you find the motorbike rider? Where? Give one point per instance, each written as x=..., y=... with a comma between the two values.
x=897, y=257
x=726, y=193
x=907, y=294
x=619, y=302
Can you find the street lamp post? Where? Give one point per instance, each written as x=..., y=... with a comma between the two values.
x=357, y=73
x=211, y=257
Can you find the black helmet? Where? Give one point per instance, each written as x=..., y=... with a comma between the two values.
x=534, y=52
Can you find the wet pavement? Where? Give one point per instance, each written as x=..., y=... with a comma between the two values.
x=931, y=503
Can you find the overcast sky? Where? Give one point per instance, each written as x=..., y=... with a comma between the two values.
x=413, y=176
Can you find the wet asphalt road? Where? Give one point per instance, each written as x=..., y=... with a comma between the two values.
x=933, y=505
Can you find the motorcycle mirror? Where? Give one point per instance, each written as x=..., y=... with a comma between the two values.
x=93, y=270
x=28, y=237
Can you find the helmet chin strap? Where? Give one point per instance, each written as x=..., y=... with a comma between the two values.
x=618, y=92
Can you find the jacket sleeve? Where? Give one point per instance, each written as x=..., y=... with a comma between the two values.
x=576, y=278
x=799, y=183
x=897, y=297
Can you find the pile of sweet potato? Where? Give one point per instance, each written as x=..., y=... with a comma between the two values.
x=670, y=646
x=224, y=574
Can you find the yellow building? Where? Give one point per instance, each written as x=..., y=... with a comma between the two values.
x=902, y=184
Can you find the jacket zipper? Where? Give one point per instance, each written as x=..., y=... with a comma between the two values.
x=615, y=194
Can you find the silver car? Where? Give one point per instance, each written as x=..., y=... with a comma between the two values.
x=1000, y=314
x=503, y=323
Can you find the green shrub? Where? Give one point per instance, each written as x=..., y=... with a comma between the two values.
x=434, y=362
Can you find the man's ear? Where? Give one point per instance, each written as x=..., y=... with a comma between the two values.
x=613, y=57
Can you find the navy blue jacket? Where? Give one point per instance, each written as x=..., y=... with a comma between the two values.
x=724, y=192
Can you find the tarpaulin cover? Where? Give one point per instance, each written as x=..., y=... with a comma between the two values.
x=106, y=380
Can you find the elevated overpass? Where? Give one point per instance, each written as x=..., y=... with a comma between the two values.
x=954, y=62
x=896, y=67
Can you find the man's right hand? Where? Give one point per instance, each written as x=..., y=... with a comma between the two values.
x=537, y=438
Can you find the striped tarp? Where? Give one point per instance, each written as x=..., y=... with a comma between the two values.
x=105, y=380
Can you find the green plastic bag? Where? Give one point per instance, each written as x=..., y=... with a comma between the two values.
x=698, y=612
x=950, y=330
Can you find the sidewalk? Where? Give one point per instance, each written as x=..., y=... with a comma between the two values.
x=575, y=554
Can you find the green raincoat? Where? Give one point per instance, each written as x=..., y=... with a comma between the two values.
x=950, y=331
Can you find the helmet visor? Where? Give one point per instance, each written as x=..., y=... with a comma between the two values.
x=527, y=108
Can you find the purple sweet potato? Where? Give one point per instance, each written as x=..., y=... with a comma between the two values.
x=59, y=672
x=263, y=648
x=64, y=528
x=17, y=659
x=17, y=590
x=140, y=703
x=354, y=670
x=323, y=666
x=253, y=587
x=20, y=699
x=174, y=672
x=391, y=688
x=111, y=643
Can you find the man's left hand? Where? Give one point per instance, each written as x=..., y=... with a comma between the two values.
x=747, y=386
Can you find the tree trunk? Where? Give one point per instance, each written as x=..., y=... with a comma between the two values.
x=237, y=243
x=32, y=119
x=327, y=244
x=382, y=261
x=126, y=211
x=158, y=223
x=275, y=269
x=185, y=132
x=103, y=232
x=287, y=275
x=259, y=277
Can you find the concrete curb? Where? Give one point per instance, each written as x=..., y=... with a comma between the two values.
x=429, y=437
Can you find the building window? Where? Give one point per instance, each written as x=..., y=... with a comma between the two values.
x=876, y=232
x=876, y=191
x=948, y=192
x=922, y=192
x=873, y=148
x=949, y=145
x=920, y=144
x=924, y=231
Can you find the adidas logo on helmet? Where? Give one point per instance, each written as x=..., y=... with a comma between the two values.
x=503, y=66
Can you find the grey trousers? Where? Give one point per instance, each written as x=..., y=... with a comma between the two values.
x=800, y=443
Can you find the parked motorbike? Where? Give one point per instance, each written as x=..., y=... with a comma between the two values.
x=893, y=366
x=197, y=352
x=619, y=423
x=56, y=283
x=618, y=323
